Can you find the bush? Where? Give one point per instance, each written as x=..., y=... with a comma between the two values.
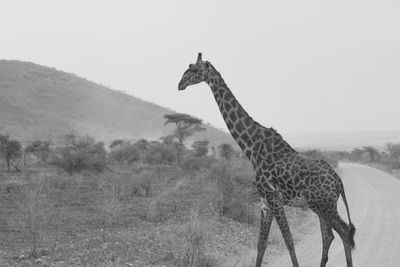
x=194, y=235
x=146, y=182
x=155, y=209
x=191, y=165
x=200, y=148
x=324, y=155
x=40, y=149
x=11, y=151
x=111, y=207
x=80, y=153
x=124, y=151
x=33, y=210
x=68, y=187
x=226, y=151
x=236, y=196
x=160, y=154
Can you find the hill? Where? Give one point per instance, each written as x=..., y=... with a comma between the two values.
x=38, y=102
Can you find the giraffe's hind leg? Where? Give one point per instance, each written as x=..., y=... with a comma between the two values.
x=327, y=238
x=265, y=225
x=343, y=229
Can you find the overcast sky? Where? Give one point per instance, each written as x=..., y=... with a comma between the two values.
x=299, y=66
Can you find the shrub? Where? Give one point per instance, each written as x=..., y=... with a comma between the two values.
x=125, y=152
x=200, y=148
x=236, y=192
x=146, y=182
x=155, y=209
x=11, y=151
x=40, y=149
x=33, y=210
x=159, y=154
x=111, y=206
x=190, y=165
x=226, y=151
x=80, y=153
x=194, y=235
x=325, y=155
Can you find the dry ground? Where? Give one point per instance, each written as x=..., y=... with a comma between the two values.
x=84, y=227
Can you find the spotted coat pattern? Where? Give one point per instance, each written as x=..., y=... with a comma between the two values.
x=282, y=175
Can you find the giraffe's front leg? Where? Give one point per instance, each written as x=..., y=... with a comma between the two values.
x=265, y=225
x=278, y=212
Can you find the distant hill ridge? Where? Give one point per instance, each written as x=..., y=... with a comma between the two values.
x=38, y=102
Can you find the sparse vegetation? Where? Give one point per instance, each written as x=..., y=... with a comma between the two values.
x=11, y=151
x=225, y=151
x=387, y=159
x=186, y=126
x=39, y=149
x=200, y=148
x=236, y=196
x=141, y=203
x=330, y=157
x=79, y=153
x=33, y=211
x=195, y=238
x=77, y=205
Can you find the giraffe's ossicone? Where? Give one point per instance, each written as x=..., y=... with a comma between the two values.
x=282, y=175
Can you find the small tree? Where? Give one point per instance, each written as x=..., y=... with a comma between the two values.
x=125, y=152
x=200, y=148
x=393, y=150
x=115, y=143
x=159, y=154
x=40, y=149
x=186, y=126
x=372, y=152
x=226, y=151
x=356, y=154
x=79, y=153
x=11, y=151
x=33, y=211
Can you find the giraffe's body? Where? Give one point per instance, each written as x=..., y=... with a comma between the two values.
x=282, y=175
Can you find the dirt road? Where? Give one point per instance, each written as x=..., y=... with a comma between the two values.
x=374, y=201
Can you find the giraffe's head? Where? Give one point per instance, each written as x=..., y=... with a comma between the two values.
x=196, y=73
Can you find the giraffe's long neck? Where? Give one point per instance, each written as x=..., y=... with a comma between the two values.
x=238, y=121
x=243, y=128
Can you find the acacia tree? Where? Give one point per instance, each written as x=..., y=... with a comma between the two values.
x=372, y=152
x=186, y=126
x=10, y=150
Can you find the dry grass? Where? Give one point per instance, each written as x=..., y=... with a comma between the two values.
x=103, y=220
x=33, y=210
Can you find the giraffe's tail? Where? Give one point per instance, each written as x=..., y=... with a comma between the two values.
x=352, y=227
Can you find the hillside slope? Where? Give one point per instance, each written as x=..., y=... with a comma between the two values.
x=38, y=102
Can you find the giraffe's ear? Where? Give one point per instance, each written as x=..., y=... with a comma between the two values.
x=207, y=65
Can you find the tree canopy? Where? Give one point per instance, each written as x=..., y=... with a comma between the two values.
x=186, y=125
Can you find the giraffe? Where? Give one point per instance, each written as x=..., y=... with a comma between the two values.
x=282, y=175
